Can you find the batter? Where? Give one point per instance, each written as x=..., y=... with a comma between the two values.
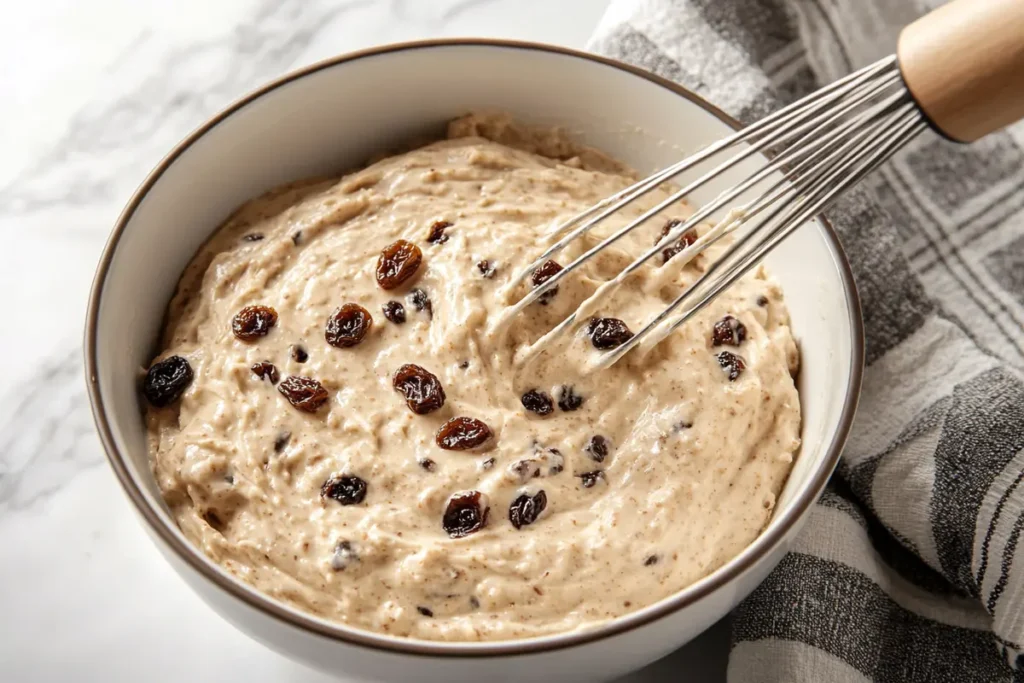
x=358, y=434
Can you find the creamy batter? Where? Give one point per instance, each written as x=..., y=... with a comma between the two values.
x=663, y=467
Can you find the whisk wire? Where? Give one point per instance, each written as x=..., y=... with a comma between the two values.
x=824, y=144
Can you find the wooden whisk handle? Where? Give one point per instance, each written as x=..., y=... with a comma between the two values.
x=964, y=65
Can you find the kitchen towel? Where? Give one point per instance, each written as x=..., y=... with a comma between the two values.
x=911, y=567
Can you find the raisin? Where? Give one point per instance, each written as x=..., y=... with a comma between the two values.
x=304, y=393
x=486, y=268
x=465, y=513
x=590, y=479
x=296, y=238
x=298, y=353
x=597, y=449
x=428, y=464
x=437, y=234
x=347, y=326
x=252, y=237
x=685, y=240
x=421, y=301
x=422, y=389
x=525, y=509
x=545, y=272
x=462, y=433
x=762, y=301
x=347, y=489
x=569, y=400
x=463, y=365
x=729, y=331
x=281, y=441
x=538, y=402
x=732, y=364
x=556, y=461
x=651, y=560
x=344, y=555
x=253, y=322
x=394, y=311
x=266, y=370
x=165, y=381
x=398, y=262
x=474, y=602
x=682, y=425
x=425, y=611
x=525, y=470
x=608, y=333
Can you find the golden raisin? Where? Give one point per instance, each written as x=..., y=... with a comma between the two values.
x=253, y=322
x=398, y=262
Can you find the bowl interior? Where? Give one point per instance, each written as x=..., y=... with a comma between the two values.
x=338, y=115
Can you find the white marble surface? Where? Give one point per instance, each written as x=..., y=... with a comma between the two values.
x=92, y=94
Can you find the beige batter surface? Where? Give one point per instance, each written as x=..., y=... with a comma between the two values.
x=694, y=463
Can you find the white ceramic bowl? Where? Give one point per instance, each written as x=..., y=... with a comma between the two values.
x=335, y=114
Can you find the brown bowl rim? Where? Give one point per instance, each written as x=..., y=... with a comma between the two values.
x=761, y=546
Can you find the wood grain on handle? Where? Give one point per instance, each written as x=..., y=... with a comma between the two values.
x=964, y=65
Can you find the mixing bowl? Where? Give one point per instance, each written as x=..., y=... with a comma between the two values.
x=336, y=114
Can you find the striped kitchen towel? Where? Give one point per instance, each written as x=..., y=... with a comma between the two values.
x=911, y=568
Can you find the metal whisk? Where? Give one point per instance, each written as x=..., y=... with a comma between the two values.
x=824, y=144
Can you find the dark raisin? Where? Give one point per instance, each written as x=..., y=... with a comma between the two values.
x=425, y=611
x=266, y=370
x=398, y=262
x=545, y=272
x=525, y=470
x=486, y=268
x=590, y=479
x=487, y=464
x=729, y=331
x=465, y=513
x=165, y=381
x=296, y=238
x=597, y=448
x=344, y=555
x=569, y=400
x=525, y=509
x=422, y=389
x=298, y=353
x=347, y=489
x=681, y=426
x=437, y=234
x=347, y=326
x=538, y=402
x=473, y=602
x=253, y=322
x=281, y=441
x=556, y=460
x=685, y=240
x=463, y=365
x=762, y=301
x=462, y=433
x=651, y=560
x=428, y=464
x=732, y=364
x=304, y=393
x=394, y=311
x=252, y=237
x=421, y=301
x=608, y=333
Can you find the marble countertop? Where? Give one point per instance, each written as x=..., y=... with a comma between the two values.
x=93, y=95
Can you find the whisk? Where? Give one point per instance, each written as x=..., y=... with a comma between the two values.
x=959, y=70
